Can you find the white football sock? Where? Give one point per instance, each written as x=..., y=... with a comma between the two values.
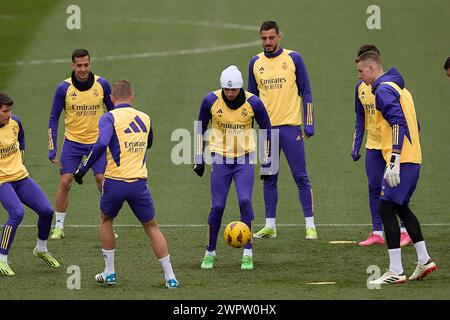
x=270, y=223
x=41, y=245
x=395, y=260
x=213, y=253
x=60, y=219
x=4, y=258
x=108, y=255
x=248, y=252
x=422, y=253
x=378, y=233
x=167, y=267
x=310, y=222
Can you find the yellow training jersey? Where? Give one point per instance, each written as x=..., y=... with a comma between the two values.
x=126, y=153
x=83, y=111
x=231, y=130
x=411, y=151
x=281, y=82
x=12, y=141
x=372, y=116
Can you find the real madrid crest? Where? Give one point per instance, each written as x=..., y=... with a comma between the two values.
x=244, y=112
x=229, y=84
x=284, y=65
x=96, y=93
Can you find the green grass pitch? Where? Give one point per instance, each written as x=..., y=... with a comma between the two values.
x=173, y=51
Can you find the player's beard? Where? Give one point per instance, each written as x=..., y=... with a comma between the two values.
x=272, y=50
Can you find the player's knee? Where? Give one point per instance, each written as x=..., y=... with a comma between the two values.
x=217, y=211
x=16, y=216
x=245, y=203
x=66, y=183
x=302, y=180
x=46, y=211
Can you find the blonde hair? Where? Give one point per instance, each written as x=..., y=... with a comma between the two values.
x=122, y=89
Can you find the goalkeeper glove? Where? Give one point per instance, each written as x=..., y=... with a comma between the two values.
x=78, y=176
x=199, y=169
x=392, y=173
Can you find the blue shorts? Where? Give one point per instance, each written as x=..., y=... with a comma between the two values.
x=72, y=154
x=137, y=194
x=401, y=194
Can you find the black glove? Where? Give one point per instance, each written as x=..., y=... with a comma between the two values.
x=199, y=169
x=264, y=176
x=78, y=176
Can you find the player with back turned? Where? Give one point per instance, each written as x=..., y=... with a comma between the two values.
x=125, y=134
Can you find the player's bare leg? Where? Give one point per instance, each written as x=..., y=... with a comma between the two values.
x=62, y=202
x=161, y=251
x=99, y=178
x=108, y=242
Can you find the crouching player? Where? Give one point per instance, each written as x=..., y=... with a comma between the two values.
x=17, y=188
x=126, y=134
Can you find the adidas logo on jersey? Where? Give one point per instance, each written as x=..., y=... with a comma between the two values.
x=261, y=70
x=73, y=94
x=136, y=126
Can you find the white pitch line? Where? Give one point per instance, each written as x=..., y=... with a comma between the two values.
x=144, y=55
x=334, y=225
x=197, y=23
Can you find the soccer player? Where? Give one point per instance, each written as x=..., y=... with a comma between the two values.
x=401, y=149
x=126, y=134
x=366, y=120
x=447, y=67
x=17, y=188
x=82, y=97
x=231, y=111
x=279, y=77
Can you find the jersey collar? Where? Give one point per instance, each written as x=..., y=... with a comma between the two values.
x=123, y=105
x=274, y=55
